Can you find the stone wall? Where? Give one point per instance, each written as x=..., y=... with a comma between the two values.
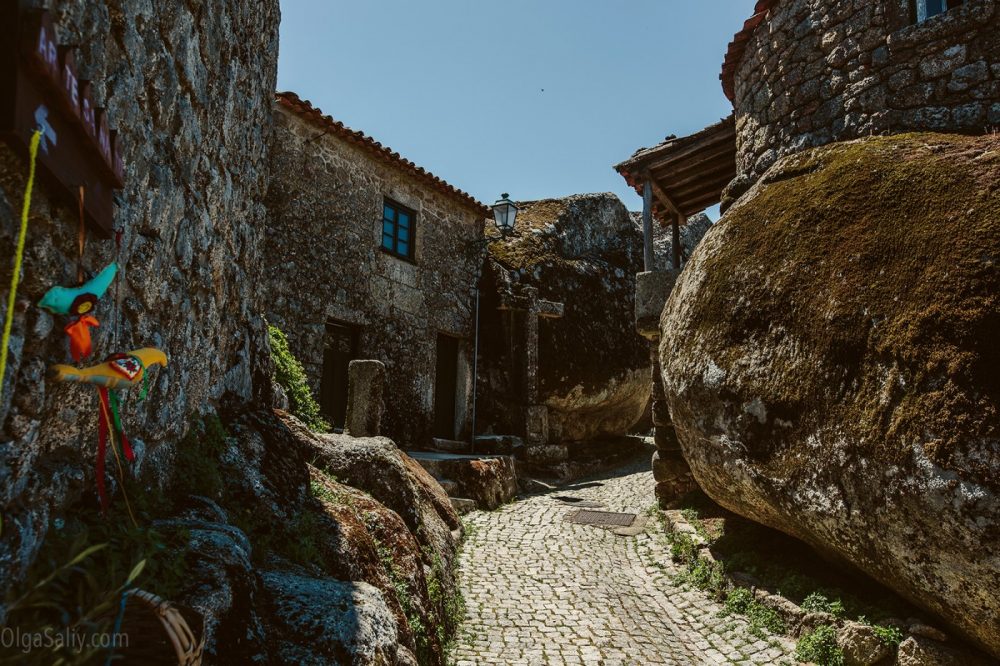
x=818, y=71
x=324, y=263
x=188, y=86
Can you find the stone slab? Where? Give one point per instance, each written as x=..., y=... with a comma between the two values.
x=652, y=289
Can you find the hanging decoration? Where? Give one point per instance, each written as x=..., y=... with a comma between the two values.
x=78, y=303
x=120, y=371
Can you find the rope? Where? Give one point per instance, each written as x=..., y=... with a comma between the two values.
x=81, y=240
x=19, y=255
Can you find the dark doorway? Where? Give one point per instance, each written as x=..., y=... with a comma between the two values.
x=446, y=387
x=340, y=348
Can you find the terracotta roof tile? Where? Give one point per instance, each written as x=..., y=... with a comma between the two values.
x=737, y=47
x=305, y=109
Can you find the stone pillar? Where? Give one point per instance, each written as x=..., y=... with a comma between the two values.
x=670, y=470
x=538, y=448
x=366, y=383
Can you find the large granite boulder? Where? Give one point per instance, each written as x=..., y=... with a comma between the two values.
x=831, y=362
x=582, y=251
x=323, y=621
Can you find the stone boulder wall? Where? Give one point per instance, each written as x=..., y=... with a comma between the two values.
x=831, y=362
x=189, y=86
x=583, y=251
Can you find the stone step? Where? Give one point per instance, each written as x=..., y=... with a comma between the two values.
x=489, y=481
x=450, y=446
x=462, y=505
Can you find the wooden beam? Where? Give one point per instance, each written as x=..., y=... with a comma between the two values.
x=709, y=171
x=648, y=259
x=697, y=154
x=665, y=198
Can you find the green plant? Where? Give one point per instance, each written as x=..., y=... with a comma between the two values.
x=682, y=547
x=705, y=575
x=741, y=601
x=817, y=602
x=891, y=636
x=74, y=603
x=820, y=646
x=738, y=600
x=291, y=376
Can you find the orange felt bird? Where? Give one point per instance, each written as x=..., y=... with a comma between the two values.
x=78, y=330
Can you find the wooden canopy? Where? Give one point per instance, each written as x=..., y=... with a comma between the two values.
x=687, y=174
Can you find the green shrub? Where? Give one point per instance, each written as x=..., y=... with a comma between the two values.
x=705, y=575
x=817, y=602
x=291, y=376
x=891, y=636
x=682, y=547
x=820, y=647
x=741, y=601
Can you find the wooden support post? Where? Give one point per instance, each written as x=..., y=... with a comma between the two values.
x=676, y=240
x=647, y=225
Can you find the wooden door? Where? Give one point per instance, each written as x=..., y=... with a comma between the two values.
x=446, y=387
x=340, y=349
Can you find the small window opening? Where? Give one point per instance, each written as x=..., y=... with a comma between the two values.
x=928, y=8
x=398, y=229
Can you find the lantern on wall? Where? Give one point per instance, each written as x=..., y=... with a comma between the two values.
x=504, y=214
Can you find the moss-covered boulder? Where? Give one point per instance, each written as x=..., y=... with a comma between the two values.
x=832, y=364
x=582, y=251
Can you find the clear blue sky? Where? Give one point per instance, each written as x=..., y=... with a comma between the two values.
x=539, y=98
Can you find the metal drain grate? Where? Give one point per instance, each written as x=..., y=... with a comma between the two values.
x=601, y=518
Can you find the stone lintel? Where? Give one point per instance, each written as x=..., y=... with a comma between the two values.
x=550, y=309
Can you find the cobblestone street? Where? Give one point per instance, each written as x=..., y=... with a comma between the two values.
x=540, y=590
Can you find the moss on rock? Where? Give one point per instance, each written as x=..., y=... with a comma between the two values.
x=830, y=357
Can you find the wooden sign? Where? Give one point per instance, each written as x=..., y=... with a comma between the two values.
x=40, y=88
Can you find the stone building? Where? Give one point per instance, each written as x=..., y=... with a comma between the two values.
x=370, y=256
x=804, y=73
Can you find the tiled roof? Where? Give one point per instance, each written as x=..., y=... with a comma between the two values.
x=305, y=109
x=737, y=47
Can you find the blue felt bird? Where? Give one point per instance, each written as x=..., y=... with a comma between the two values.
x=80, y=300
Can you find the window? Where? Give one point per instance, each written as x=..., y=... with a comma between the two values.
x=398, y=226
x=929, y=8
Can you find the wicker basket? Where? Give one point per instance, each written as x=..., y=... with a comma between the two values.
x=160, y=632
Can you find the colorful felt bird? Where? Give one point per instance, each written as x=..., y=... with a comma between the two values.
x=120, y=371
x=78, y=303
x=80, y=300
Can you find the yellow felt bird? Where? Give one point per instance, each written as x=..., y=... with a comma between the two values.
x=119, y=371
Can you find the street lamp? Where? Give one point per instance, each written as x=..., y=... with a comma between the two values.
x=504, y=214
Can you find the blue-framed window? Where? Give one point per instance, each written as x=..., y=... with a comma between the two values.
x=399, y=226
x=929, y=8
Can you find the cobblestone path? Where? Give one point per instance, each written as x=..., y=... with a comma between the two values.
x=540, y=590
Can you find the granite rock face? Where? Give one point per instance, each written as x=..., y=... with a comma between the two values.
x=584, y=252
x=302, y=563
x=189, y=86
x=330, y=621
x=830, y=360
